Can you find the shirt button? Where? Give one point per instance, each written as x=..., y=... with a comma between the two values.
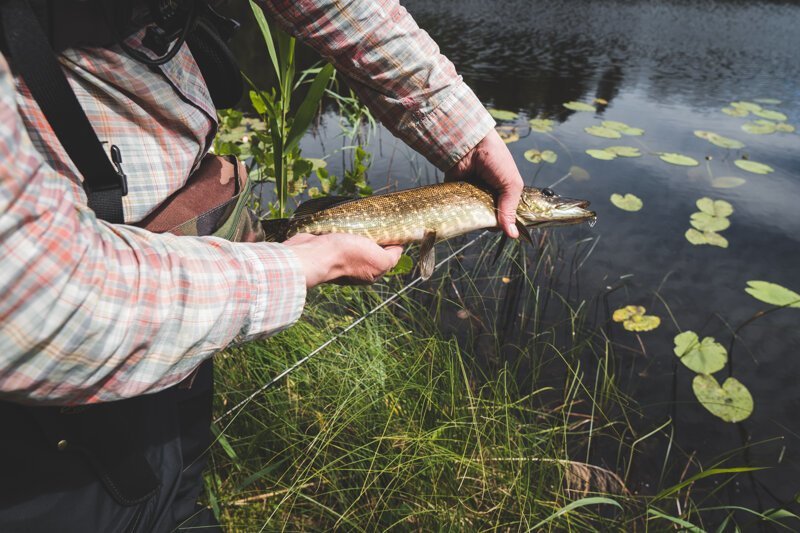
x=62, y=445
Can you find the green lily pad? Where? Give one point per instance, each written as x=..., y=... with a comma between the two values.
x=717, y=208
x=600, y=131
x=624, y=151
x=536, y=157
x=629, y=202
x=770, y=114
x=541, y=125
x=784, y=128
x=727, y=182
x=634, y=319
x=760, y=127
x=578, y=173
x=622, y=128
x=509, y=134
x=706, y=222
x=678, y=159
x=601, y=154
x=773, y=294
x=708, y=237
x=735, y=111
x=752, y=166
x=719, y=140
x=767, y=101
x=748, y=106
x=731, y=402
x=704, y=357
x=580, y=106
x=502, y=114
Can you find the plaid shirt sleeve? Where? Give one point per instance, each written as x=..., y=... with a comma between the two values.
x=97, y=312
x=396, y=69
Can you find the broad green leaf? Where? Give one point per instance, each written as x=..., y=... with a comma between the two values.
x=580, y=106
x=536, y=157
x=629, y=202
x=748, y=106
x=768, y=101
x=760, y=127
x=735, y=111
x=708, y=237
x=752, y=166
x=578, y=173
x=622, y=127
x=770, y=114
x=502, y=114
x=403, y=266
x=717, y=208
x=601, y=154
x=265, y=32
x=784, y=128
x=509, y=134
x=719, y=140
x=624, y=151
x=773, y=294
x=541, y=125
x=704, y=357
x=316, y=163
x=600, y=131
x=549, y=156
x=727, y=182
x=731, y=402
x=678, y=159
x=634, y=319
x=706, y=222
x=308, y=108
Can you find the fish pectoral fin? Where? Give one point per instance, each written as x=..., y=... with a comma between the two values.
x=524, y=232
x=427, y=255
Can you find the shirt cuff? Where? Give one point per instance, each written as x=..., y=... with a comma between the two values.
x=453, y=128
x=278, y=288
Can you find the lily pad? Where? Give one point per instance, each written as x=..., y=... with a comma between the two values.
x=773, y=294
x=624, y=151
x=784, y=128
x=704, y=357
x=600, y=131
x=735, y=111
x=731, y=402
x=578, y=173
x=580, y=106
x=752, y=166
x=770, y=114
x=629, y=202
x=706, y=222
x=719, y=140
x=541, y=125
x=601, y=154
x=535, y=156
x=707, y=237
x=509, y=134
x=634, y=319
x=748, y=106
x=622, y=128
x=760, y=127
x=717, y=208
x=727, y=182
x=678, y=159
x=502, y=114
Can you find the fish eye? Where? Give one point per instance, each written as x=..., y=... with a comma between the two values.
x=548, y=193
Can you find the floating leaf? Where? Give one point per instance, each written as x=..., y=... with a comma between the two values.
x=624, y=151
x=752, y=166
x=601, y=154
x=704, y=357
x=708, y=237
x=770, y=114
x=773, y=294
x=599, y=131
x=316, y=163
x=542, y=125
x=678, y=159
x=634, y=319
x=735, y=111
x=747, y=106
x=767, y=101
x=535, y=156
x=784, y=128
x=622, y=128
x=601, y=101
x=578, y=173
x=731, y=402
x=760, y=127
x=719, y=140
x=629, y=202
x=509, y=134
x=717, y=208
x=580, y=106
x=502, y=114
x=706, y=222
x=727, y=182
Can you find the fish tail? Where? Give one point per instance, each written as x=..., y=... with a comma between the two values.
x=275, y=229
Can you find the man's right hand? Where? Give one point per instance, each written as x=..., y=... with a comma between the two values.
x=342, y=258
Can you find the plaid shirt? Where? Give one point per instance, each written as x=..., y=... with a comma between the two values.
x=92, y=311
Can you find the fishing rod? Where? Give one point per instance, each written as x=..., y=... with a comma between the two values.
x=333, y=339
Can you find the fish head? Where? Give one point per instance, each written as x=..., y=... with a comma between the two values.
x=538, y=207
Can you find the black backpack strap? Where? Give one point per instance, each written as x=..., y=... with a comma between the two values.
x=32, y=58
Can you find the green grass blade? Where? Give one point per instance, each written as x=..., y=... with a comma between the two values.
x=706, y=473
x=307, y=111
x=267, y=34
x=593, y=500
x=675, y=520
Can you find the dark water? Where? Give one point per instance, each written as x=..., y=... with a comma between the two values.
x=668, y=67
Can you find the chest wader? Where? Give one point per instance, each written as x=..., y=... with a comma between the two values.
x=133, y=465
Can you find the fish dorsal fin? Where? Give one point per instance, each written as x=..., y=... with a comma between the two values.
x=427, y=255
x=309, y=207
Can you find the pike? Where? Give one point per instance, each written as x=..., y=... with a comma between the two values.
x=427, y=215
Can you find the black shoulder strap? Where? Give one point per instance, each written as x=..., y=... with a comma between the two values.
x=31, y=57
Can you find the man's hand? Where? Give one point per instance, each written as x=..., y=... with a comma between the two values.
x=491, y=162
x=342, y=258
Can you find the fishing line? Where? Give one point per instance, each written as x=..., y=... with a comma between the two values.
x=333, y=339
